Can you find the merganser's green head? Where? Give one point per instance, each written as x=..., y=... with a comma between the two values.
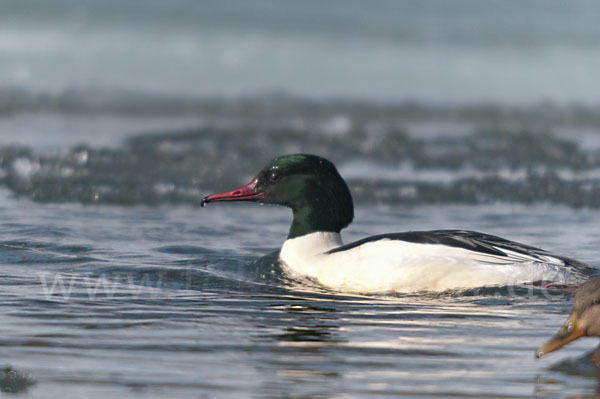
x=583, y=321
x=309, y=184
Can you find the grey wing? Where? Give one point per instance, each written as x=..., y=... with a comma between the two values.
x=485, y=248
x=496, y=250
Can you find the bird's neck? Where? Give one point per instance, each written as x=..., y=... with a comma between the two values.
x=310, y=245
x=311, y=218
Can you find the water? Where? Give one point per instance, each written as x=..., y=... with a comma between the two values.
x=183, y=301
x=426, y=51
x=176, y=151
x=117, y=117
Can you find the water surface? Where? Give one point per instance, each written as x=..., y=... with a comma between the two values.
x=117, y=117
x=183, y=301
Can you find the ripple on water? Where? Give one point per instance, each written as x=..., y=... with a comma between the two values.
x=188, y=314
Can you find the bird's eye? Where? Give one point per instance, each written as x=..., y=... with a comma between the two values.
x=596, y=300
x=274, y=176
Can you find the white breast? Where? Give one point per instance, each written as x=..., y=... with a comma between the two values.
x=400, y=266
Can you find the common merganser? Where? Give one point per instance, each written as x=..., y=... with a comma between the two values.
x=398, y=262
x=584, y=321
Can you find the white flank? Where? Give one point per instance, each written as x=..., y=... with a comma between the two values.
x=394, y=265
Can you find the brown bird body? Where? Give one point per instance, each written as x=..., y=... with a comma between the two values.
x=584, y=321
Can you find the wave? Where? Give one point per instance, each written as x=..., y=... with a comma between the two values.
x=388, y=153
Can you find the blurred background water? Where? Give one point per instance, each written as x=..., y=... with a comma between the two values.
x=432, y=51
x=117, y=117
